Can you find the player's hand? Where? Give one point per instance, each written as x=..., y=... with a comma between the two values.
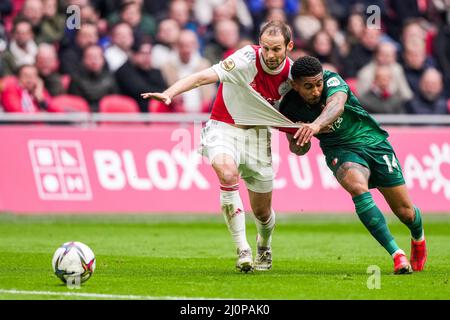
x=305, y=133
x=158, y=96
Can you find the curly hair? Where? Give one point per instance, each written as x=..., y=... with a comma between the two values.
x=306, y=66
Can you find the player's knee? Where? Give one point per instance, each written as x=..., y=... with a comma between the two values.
x=262, y=213
x=406, y=214
x=357, y=189
x=228, y=176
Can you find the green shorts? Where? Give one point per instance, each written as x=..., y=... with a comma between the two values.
x=380, y=159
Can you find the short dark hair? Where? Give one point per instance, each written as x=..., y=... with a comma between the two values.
x=306, y=66
x=19, y=70
x=19, y=21
x=275, y=27
x=125, y=4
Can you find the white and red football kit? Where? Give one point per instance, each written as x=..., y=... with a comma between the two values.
x=249, y=94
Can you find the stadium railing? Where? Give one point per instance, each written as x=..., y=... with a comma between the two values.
x=94, y=118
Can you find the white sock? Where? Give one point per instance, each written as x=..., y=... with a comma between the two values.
x=265, y=230
x=397, y=252
x=233, y=212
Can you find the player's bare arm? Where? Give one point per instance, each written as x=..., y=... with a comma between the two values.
x=333, y=109
x=193, y=81
x=296, y=149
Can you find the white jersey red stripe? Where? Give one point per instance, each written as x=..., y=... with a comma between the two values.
x=241, y=73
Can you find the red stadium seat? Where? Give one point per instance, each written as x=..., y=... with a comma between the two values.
x=8, y=20
x=118, y=103
x=155, y=106
x=352, y=85
x=68, y=103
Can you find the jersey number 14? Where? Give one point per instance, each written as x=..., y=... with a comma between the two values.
x=391, y=164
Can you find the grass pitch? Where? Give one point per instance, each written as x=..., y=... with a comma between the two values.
x=160, y=257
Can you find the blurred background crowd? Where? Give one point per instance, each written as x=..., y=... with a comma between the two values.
x=120, y=48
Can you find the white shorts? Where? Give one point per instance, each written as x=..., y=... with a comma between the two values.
x=249, y=148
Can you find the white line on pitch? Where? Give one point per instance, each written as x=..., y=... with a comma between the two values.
x=103, y=296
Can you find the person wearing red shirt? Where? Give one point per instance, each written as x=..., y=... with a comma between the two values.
x=27, y=93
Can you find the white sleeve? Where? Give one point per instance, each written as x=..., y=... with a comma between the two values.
x=238, y=68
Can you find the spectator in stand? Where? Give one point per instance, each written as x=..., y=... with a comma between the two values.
x=225, y=42
x=380, y=98
x=93, y=80
x=156, y=9
x=88, y=15
x=276, y=14
x=386, y=55
x=179, y=11
x=131, y=12
x=27, y=94
x=323, y=48
x=120, y=49
x=189, y=61
x=355, y=30
x=53, y=24
x=22, y=47
x=204, y=13
x=138, y=75
x=362, y=53
x=430, y=99
x=259, y=9
x=47, y=64
x=70, y=58
x=221, y=12
x=442, y=50
x=331, y=27
x=166, y=42
x=400, y=11
x=33, y=11
x=48, y=25
x=310, y=19
x=5, y=9
x=415, y=62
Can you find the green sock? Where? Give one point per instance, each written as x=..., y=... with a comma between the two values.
x=416, y=226
x=374, y=221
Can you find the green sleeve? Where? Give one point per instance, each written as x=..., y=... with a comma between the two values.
x=334, y=83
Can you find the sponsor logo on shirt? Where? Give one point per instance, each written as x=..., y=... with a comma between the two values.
x=284, y=88
x=333, y=82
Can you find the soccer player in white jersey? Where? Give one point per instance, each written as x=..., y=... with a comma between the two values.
x=235, y=150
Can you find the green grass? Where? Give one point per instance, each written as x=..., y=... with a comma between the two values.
x=315, y=257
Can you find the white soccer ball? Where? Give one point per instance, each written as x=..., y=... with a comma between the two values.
x=73, y=261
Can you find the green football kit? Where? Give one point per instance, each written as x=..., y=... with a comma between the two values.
x=355, y=137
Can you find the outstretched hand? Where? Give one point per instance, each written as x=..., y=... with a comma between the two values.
x=305, y=133
x=158, y=96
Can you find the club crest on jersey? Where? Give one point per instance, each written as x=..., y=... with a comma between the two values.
x=333, y=82
x=228, y=64
x=334, y=162
x=284, y=88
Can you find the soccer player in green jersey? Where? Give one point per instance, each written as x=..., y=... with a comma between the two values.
x=357, y=151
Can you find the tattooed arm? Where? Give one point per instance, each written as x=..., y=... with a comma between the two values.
x=333, y=109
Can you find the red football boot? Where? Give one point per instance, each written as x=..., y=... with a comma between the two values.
x=418, y=254
x=401, y=264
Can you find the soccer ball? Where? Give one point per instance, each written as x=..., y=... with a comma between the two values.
x=73, y=261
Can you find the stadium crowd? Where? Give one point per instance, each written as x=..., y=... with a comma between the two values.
x=116, y=48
